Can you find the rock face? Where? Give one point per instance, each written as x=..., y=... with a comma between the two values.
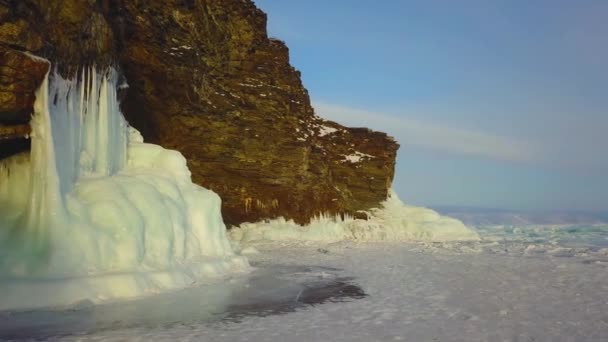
x=205, y=79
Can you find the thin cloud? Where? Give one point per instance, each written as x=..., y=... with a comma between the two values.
x=433, y=135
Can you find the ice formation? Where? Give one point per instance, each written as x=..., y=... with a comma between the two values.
x=93, y=213
x=393, y=221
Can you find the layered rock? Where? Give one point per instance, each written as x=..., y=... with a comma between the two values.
x=205, y=79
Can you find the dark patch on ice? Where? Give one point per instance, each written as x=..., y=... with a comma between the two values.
x=270, y=290
x=340, y=290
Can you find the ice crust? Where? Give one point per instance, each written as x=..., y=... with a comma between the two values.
x=93, y=213
x=393, y=221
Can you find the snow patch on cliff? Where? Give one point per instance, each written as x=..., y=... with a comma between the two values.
x=357, y=157
x=326, y=130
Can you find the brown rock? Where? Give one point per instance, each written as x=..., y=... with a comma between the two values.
x=19, y=35
x=14, y=132
x=20, y=77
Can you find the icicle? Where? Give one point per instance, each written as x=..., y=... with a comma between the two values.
x=46, y=205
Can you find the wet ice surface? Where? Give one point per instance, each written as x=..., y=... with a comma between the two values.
x=270, y=290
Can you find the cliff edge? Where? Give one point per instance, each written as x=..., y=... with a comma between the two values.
x=205, y=79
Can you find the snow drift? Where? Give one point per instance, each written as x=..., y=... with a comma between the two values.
x=393, y=221
x=93, y=213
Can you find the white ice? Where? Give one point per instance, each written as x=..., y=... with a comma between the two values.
x=393, y=221
x=95, y=214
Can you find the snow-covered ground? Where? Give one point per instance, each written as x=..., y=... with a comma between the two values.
x=506, y=287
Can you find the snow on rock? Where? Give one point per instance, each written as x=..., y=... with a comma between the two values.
x=357, y=157
x=95, y=214
x=326, y=130
x=394, y=221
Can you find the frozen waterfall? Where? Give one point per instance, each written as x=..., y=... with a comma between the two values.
x=93, y=213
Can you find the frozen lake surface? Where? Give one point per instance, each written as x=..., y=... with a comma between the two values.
x=517, y=284
x=269, y=290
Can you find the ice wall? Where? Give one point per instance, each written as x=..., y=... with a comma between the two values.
x=94, y=213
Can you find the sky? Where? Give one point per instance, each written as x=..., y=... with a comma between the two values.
x=496, y=103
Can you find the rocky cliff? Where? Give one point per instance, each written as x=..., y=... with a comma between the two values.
x=205, y=79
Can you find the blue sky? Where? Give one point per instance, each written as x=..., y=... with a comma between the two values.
x=496, y=103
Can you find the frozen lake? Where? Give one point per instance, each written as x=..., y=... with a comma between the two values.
x=517, y=284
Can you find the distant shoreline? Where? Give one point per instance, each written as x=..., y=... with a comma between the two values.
x=489, y=216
